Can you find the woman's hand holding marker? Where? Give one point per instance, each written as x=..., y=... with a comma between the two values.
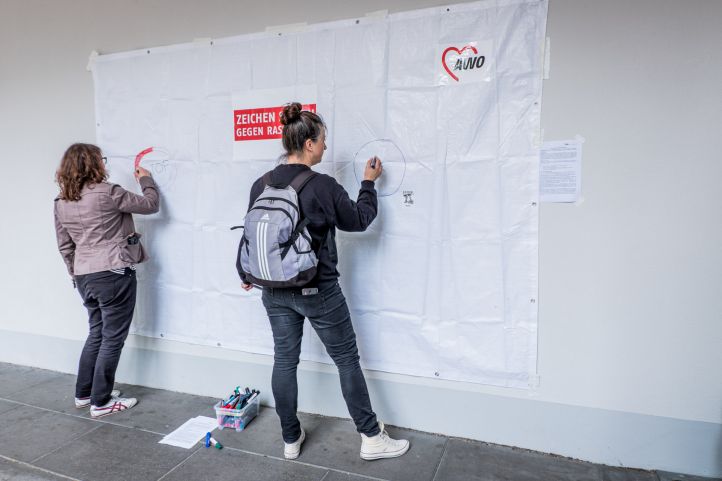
x=141, y=172
x=374, y=168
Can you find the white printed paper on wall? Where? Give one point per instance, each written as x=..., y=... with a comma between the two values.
x=561, y=171
x=443, y=284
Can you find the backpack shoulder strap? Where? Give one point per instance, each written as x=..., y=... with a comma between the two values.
x=300, y=181
x=266, y=179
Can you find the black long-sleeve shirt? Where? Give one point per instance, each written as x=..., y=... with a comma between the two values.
x=327, y=206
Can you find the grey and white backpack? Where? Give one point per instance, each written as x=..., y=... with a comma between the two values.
x=275, y=250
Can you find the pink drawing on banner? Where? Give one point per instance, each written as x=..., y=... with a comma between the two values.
x=142, y=154
x=163, y=171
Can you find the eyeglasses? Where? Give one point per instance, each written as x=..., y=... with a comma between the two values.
x=105, y=160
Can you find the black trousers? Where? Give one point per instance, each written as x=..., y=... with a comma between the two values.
x=329, y=315
x=110, y=300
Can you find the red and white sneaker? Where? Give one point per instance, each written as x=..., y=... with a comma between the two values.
x=84, y=402
x=115, y=405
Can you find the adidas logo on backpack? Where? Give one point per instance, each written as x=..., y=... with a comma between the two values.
x=275, y=250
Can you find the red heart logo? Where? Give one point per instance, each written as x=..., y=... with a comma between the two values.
x=454, y=49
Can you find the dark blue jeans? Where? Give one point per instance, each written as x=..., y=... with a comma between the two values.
x=329, y=315
x=110, y=300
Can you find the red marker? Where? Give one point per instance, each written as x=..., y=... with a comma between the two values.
x=231, y=401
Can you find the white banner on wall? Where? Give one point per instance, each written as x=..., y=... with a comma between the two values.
x=444, y=282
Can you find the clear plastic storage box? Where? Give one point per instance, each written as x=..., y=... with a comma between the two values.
x=237, y=419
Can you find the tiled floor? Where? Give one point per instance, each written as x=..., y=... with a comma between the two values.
x=43, y=437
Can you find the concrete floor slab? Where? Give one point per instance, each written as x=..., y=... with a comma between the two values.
x=14, y=471
x=336, y=476
x=7, y=406
x=667, y=476
x=115, y=453
x=15, y=378
x=609, y=473
x=28, y=433
x=51, y=439
x=476, y=461
x=56, y=393
x=226, y=464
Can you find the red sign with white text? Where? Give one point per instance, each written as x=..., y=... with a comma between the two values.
x=260, y=124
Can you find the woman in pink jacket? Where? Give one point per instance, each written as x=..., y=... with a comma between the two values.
x=98, y=242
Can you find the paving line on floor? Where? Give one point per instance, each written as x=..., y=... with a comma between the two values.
x=64, y=444
x=34, y=384
x=11, y=409
x=46, y=471
x=180, y=464
x=441, y=459
x=78, y=416
x=341, y=471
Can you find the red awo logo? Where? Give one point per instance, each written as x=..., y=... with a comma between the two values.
x=456, y=61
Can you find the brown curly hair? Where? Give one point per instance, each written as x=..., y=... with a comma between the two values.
x=82, y=164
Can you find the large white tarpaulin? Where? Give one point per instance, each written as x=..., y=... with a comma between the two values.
x=444, y=282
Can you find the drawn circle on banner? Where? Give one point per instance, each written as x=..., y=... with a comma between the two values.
x=151, y=155
x=164, y=173
x=157, y=161
x=393, y=160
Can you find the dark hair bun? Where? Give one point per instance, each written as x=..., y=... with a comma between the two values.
x=291, y=113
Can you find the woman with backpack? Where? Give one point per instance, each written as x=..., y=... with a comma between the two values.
x=323, y=206
x=97, y=240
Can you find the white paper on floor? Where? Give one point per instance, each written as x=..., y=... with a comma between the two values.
x=191, y=432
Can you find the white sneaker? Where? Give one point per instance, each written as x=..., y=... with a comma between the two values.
x=292, y=450
x=84, y=402
x=382, y=446
x=115, y=405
